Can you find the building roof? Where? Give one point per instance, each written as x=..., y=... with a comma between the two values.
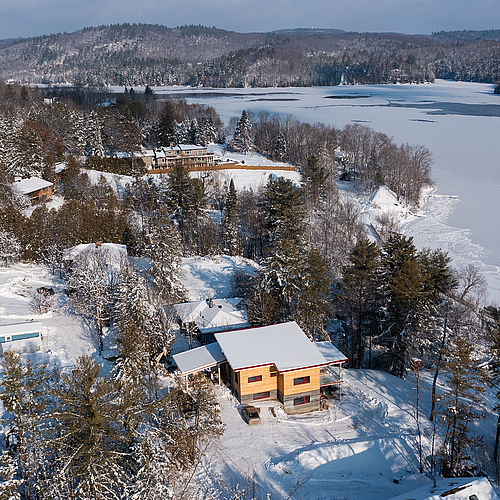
x=27, y=186
x=223, y=316
x=330, y=352
x=199, y=359
x=113, y=253
x=284, y=345
x=20, y=328
x=458, y=488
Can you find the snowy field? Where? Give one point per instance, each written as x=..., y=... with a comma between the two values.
x=458, y=122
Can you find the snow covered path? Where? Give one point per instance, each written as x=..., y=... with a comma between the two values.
x=354, y=450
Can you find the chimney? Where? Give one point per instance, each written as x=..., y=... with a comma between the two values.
x=210, y=303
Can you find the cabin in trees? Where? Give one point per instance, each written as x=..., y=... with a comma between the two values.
x=186, y=155
x=269, y=363
x=206, y=317
x=21, y=337
x=36, y=189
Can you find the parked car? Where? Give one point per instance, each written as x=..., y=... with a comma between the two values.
x=250, y=414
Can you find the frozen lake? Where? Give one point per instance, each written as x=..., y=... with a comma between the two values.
x=458, y=122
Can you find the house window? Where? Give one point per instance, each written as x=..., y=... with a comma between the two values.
x=256, y=378
x=302, y=400
x=262, y=395
x=236, y=378
x=273, y=374
x=301, y=380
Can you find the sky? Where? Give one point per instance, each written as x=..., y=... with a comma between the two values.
x=29, y=18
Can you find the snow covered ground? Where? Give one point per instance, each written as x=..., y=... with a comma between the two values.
x=354, y=450
x=458, y=122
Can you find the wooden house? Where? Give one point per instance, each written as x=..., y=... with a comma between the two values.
x=269, y=363
x=21, y=337
x=36, y=189
x=187, y=155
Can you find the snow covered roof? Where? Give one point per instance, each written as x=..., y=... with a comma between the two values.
x=199, y=359
x=19, y=328
x=330, y=352
x=112, y=252
x=27, y=186
x=222, y=316
x=284, y=345
x=183, y=147
x=459, y=488
x=59, y=167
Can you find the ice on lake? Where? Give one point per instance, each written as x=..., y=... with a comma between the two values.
x=458, y=122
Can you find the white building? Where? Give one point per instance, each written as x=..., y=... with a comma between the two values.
x=21, y=337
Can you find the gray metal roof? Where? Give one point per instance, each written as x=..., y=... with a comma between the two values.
x=199, y=359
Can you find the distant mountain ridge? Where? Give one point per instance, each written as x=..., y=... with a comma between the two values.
x=140, y=54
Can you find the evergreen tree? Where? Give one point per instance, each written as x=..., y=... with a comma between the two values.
x=280, y=278
x=230, y=222
x=93, y=445
x=315, y=294
x=357, y=298
x=284, y=210
x=242, y=141
x=460, y=406
x=164, y=251
x=404, y=290
x=165, y=127
x=184, y=197
x=315, y=176
x=24, y=394
x=280, y=150
x=10, y=247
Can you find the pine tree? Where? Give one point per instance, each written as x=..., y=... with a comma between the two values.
x=460, y=406
x=184, y=197
x=230, y=222
x=280, y=149
x=10, y=247
x=280, y=278
x=165, y=127
x=9, y=485
x=25, y=398
x=358, y=298
x=314, y=301
x=242, y=141
x=164, y=250
x=315, y=176
x=406, y=299
x=284, y=210
x=92, y=445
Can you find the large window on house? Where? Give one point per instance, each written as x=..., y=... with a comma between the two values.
x=302, y=400
x=301, y=380
x=255, y=378
x=236, y=377
x=262, y=395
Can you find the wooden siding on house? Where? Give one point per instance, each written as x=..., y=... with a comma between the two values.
x=267, y=383
x=286, y=381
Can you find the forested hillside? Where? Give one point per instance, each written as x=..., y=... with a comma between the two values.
x=195, y=55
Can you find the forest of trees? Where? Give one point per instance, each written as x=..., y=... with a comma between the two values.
x=141, y=54
x=384, y=302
